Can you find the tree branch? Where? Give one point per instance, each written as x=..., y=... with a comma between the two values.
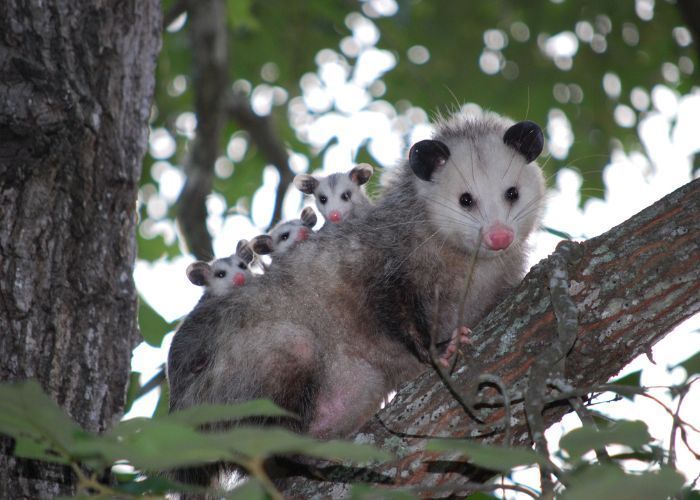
x=209, y=39
x=630, y=287
x=262, y=132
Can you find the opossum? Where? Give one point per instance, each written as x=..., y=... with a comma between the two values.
x=329, y=343
x=285, y=235
x=338, y=196
x=222, y=275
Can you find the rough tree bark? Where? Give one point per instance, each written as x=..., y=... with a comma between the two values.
x=76, y=84
x=630, y=287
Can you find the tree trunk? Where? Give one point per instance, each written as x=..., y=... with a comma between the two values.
x=627, y=289
x=76, y=83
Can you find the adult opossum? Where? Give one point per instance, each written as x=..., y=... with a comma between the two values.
x=346, y=318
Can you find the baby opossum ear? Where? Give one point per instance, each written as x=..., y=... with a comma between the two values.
x=526, y=137
x=361, y=173
x=306, y=183
x=199, y=273
x=425, y=156
x=262, y=245
x=308, y=217
x=244, y=251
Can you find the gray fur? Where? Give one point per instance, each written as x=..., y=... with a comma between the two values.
x=331, y=342
x=217, y=277
x=285, y=235
x=334, y=189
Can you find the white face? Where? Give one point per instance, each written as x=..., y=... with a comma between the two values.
x=336, y=196
x=485, y=188
x=287, y=235
x=227, y=274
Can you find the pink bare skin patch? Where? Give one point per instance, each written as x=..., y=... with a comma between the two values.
x=239, y=279
x=334, y=216
x=498, y=237
x=460, y=336
x=302, y=234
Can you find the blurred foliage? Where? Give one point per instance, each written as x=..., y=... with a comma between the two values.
x=142, y=449
x=42, y=431
x=526, y=82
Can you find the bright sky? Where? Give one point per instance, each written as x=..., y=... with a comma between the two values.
x=346, y=95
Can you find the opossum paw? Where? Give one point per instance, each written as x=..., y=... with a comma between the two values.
x=459, y=336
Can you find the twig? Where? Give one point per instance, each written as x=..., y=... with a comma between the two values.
x=435, y=361
x=463, y=299
x=498, y=382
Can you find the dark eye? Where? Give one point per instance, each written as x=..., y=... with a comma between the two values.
x=220, y=274
x=323, y=199
x=466, y=200
x=346, y=196
x=241, y=265
x=512, y=194
x=284, y=236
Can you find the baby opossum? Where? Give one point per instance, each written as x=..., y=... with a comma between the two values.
x=222, y=275
x=285, y=235
x=330, y=342
x=338, y=196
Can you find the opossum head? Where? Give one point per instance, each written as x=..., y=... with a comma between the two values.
x=480, y=183
x=285, y=235
x=223, y=275
x=337, y=195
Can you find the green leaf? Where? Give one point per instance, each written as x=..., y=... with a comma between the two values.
x=628, y=433
x=607, y=481
x=163, y=406
x=133, y=390
x=558, y=233
x=152, y=325
x=495, y=458
x=251, y=489
x=31, y=449
x=26, y=412
x=631, y=379
x=207, y=414
x=691, y=365
x=157, y=445
x=257, y=442
x=369, y=492
x=155, y=485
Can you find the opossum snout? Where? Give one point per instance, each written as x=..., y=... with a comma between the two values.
x=498, y=237
x=239, y=279
x=302, y=234
x=334, y=216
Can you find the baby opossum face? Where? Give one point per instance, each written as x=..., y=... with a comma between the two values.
x=338, y=194
x=481, y=181
x=223, y=275
x=286, y=235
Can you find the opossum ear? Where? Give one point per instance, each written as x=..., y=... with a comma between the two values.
x=425, y=156
x=306, y=183
x=244, y=251
x=262, y=245
x=361, y=173
x=526, y=137
x=199, y=273
x=308, y=217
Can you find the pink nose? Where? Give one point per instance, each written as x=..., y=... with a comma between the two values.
x=498, y=237
x=334, y=216
x=303, y=234
x=239, y=279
